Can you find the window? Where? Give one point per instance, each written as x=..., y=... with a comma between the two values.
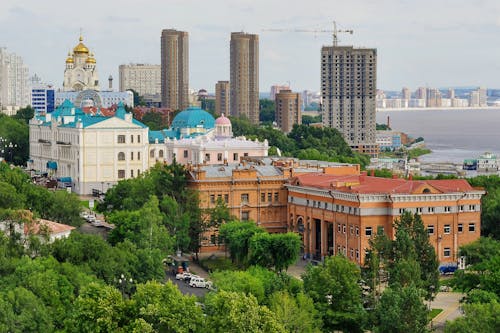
x=245, y=154
x=447, y=209
x=351, y=230
x=132, y=173
x=185, y=153
x=447, y=228
x=401, y=210
x=430, y=229
x=262, y=197
x=160, y=153
x=121, y=174
x=152, y=153
x=357, y=231
x=472, y=227
x=235, y=156
x=270, y=198
x=368, y=231
x=460, y=227
x=338, y=227
x=419, y=210
x=219, y=157
x=121, y=156
x=212, y=198
x=446, y=252
x=357, y=254
x=138, y=139
x=277, y=197
x=131, y=155
x=461, y=208
x=212, y=239
x=131, y=139
x=121, y=139
x=472, y=207
x=430, y=209
x=207, y=157
x=139, y=155
x=351, y=252
x=245, y=215
x=138, y=172
x=219, y=197
x=244, y=198
x=226, y=198
x=343, y=228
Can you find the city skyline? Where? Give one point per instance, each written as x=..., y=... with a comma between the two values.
x=454, y=31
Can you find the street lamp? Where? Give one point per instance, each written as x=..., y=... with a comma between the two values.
x=125, y=285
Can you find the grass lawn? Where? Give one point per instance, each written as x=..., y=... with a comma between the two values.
x=434, y=313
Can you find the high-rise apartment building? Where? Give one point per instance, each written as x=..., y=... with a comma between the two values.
x=348, y=91
x=174, y=69
x=288, y=110
x=42, y=96
x=244, y=76
x=222, y=97
x=15, y=88
x=433, y=98
x=145, y=79
x=276, y=89
x=405, y=93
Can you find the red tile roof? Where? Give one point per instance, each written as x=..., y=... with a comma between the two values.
x=368, y=184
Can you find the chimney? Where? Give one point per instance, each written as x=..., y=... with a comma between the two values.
x=110, y=81
x=388, y=122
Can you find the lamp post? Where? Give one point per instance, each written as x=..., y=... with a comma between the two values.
x=7, y=148
x=125, y=285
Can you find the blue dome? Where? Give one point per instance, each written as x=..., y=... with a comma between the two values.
x=193, y=117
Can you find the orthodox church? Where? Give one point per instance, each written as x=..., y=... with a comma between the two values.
x=81, y=71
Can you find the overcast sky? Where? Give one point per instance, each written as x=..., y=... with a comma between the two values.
x=437, y=43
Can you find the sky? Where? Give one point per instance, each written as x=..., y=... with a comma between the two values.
x=434, y=43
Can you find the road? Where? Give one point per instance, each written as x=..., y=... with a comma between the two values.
x=185, y=288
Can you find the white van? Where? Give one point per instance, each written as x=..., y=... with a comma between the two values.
x=197, y=282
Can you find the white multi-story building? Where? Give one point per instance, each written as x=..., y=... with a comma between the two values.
x=14, y=81
x=98, y=99
x=145, y=79
x=88, y=151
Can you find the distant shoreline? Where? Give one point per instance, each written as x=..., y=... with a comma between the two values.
x=445, y=108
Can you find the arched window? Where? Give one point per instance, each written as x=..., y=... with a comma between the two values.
x=152, y=153
x=426, y=190
x=121, y=156
x=160, y=153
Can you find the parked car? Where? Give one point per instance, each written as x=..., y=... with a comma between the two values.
x=189, y=277
x=180, y=276
x=197, y=282
x=84, y=215
x=91, y=218
x=209, y=285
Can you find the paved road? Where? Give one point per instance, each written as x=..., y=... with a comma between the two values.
x=185, y=288
x=450, y=303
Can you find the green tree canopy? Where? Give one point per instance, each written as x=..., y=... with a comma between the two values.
x=277, y=251
x=237, y=237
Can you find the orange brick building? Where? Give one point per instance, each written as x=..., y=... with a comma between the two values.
x=340, y=213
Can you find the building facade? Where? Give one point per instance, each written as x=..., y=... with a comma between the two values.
x=174, y=69
x=348, y=91
x=81, y=70
x=145, y=79
x=288, y=110
x=43, y=98
x=341, y=213
x=222, y=93
x=85, y=98
x=244, y=76
x=275, y=89
x=91, y=152
x=15, y=88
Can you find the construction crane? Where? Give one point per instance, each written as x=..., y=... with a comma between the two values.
x=334, y=32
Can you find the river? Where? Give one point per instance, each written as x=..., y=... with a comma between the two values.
x=452, y=134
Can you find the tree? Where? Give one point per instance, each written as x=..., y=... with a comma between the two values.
x=490, y=207
x=240, y=281
x=267, y=109
x=277, y=251
x=296, y=314
x=237, y=237
x=25, y=114
x=15, y=135
x=165, y=309
x=401, y=310
x=238, y=313
x=334, y=288
x=9, y=197
x=479, y=317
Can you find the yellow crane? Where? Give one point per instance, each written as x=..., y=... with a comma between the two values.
x=334, y=32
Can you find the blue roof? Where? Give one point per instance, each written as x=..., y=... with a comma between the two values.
x=162, y=135
x=193, y=117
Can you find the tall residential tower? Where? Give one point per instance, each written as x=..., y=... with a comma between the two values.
x=348, y=89
x=244, y=76
x=288, y=110
x=174, y=69
x=222, y=97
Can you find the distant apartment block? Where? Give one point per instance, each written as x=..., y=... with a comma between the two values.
x=477, y=98
x=276, y=89
x=244, y=76
x=145, y=79
x=222, y=99
x=288, y=110
x=174, y=69
x=15, y=91
x=348, y=89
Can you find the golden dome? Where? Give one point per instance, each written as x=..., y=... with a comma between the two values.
x=81, y=48
x=69, y=60
x=90, y=59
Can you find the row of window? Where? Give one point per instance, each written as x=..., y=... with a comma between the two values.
x=121, y=173
x=352, y=252
x=122, y=138
x=447, y=228
x=219, y=197
x=121, y=156
x=447, y=209
x=219, y=156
